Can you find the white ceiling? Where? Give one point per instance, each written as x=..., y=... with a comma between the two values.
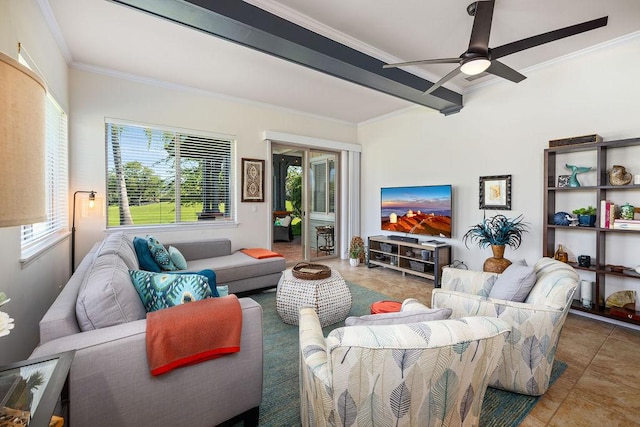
x=108, y=36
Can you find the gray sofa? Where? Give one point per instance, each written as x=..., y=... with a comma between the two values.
x=99, y=315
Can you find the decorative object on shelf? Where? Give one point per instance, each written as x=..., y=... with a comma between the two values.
x=585, y=293
x=636, y=179
x=618, y=175
x=356, y=250
x=584, y=261
x=586, y=216
x=252, y=180
x=575, y=140
x=561, y=255
x=497, y=232
x=563, y=218
x=615, y=268
x=625, y=299
x=627, y=211
x=563, y=180
x=637, y=269
x=575, y=170
x=495, y=192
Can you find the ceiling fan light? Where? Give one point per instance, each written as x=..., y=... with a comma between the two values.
x=475, y=66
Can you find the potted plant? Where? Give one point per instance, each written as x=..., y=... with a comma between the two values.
x=586, y=216
x=356, y=250
x=354, y=256
x=497, y=232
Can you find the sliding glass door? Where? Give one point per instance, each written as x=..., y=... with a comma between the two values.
x=304, y=203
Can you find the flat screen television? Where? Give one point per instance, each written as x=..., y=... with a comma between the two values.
x=422, y=210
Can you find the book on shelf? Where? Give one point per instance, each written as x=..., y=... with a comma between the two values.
x=626, y=224
x=607, y=213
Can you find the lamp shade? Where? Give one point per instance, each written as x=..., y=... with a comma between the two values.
x=22, y=144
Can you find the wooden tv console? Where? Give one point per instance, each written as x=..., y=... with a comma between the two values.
x=408, y=257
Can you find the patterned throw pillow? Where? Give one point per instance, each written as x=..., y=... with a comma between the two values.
x=162, y=290
x=160, y=254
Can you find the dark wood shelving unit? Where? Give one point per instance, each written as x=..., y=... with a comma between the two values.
x=552, y=193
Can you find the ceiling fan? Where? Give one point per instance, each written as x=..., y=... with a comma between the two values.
x=479, y=57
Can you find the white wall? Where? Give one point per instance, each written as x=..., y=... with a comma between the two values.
x=503, y=130
x=34, y=287
x=95, y=96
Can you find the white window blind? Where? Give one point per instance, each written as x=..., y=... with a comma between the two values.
x=36, y=236
x=166, y=176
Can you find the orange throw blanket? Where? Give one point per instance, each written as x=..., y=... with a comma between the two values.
x=193, y=332
x=260, y=253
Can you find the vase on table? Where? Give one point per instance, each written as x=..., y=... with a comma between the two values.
x=497, y=263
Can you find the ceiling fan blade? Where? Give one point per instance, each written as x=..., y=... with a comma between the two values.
x=497, y=68
x=443, y=80
x=479, y=42
x=424, y=61
x=534, y=41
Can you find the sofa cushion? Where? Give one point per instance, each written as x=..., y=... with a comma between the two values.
x=160, y=254
x=106, y=296
x=119, y=244
x=178, y=259
x=399, y=318
x=145, y=259
x=239, y=266
x=514, y=284
x=163, y=290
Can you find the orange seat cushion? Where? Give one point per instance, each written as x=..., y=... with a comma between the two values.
x=385, y=307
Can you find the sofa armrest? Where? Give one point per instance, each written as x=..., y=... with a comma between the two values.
x=110, y=382
x=468, y=281
x=203, y=249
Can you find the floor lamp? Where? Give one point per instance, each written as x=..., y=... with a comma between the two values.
x=92, y=200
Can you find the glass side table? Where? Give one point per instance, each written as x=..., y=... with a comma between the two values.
x=32, y=390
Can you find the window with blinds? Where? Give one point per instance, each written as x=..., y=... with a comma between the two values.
x=323, y=177
x=39, y=235
x=167, y=176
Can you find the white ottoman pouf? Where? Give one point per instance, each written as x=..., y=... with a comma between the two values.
x=330, y=298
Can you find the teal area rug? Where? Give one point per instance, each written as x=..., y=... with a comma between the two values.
x=281, y=394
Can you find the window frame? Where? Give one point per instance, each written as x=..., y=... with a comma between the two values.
x=225, y=222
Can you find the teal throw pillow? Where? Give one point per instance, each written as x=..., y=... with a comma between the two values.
x=145, y=259
x=178, y=259
x=163, y=290
x=160, y=254
x=211, y=279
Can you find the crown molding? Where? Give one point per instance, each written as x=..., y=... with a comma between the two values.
x=50, y=19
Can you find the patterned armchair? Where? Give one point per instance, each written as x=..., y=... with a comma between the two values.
x=529, y=352
x=428, y=374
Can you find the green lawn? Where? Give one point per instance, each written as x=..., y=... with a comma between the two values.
x=155, y=213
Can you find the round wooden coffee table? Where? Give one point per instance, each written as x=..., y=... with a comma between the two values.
x=329, y=297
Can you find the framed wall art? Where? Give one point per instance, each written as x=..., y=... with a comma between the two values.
x=252, y=180
x=495, y=192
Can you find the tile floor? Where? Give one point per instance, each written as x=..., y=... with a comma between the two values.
x=601, y=386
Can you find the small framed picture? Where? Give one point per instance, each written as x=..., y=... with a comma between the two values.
x=495, y=192
x=252, y=180
x=563, y=180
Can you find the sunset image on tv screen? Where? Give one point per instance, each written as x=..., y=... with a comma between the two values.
x=417, y=210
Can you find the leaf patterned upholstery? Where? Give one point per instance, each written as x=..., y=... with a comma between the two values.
x=428, y=374
x=529, y=352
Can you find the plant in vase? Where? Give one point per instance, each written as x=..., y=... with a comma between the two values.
x=497, y=232
x=356, y=250
x=586, y=216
